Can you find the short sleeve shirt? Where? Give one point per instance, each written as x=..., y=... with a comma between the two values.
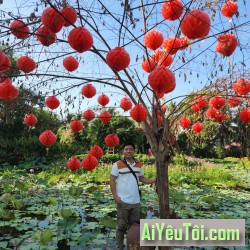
x=126, y=185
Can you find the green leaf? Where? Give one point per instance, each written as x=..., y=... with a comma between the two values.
x=52, y=201
x=66, y=212
x=45, y=237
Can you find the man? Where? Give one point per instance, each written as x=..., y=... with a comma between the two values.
x=125, y=191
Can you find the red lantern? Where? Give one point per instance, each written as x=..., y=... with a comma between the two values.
x=88, y=115
x=88, y=91
x=153, y=39
x=118, y=59
x=244, y=115
x=241, y=86
x=80, y=39
x=139, y=113
x=229, y=9
x=96, y=151
x=184, y=42
x=45, y=36
x=112, y=140
x=211, y=113
x=89, y=162
x=52, y=20
x=70, y=63
x=76, y=126
x=172, y=10
x=19, y=29
x=185, y=122
x=148, y=65
x=103, y=100
x=26, y=64
x=159, y=119
x=197, y=127
x=105, y=117
x=220, y=116
x=226, y=44
x=162, y=80
x=162, y=58
x=2, y=57
x=160, y=95
x=195, y=24
x=69, y=14
x=125, y=104
x=234, y=101
x=199, y=103
x=217, y=102
x=8, y=92
x=47, y=138
x=171, y=45
x=74, y=164
x=52, y=102
x=5, y=64
x=30, y=120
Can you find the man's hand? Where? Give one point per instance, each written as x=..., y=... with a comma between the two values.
x=117, y=199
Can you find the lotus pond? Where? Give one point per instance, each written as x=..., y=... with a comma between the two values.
x=56, y=209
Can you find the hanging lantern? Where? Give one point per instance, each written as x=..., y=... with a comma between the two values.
x=88, y=90
x=45, y=36
x=112, y=140
x=70, y=63
x=241, y=86
x=226, y=44
x=244, y=115
x=234, y=101
x=105, y=117
x=74, y=164
x=89, y=162
x=47, y=138
x=52, y=20
x=185, y=122
x=125, y=104
x=172, y=10
x=19, y=29
x=69, y=15
x=80, y=39
x=171, y=45
x=153, y=39
x=184, y=42
x=162, y=58
x=103, y=100
x=2, y=57
x=118, y=59
x=195, y=24
x=139, y=113
x=26, y=64
x=30, y=120
x=162, y=80
x=96, y=151
x=220, y=116
x=8, y=92
x=160, y=95
x=52, y=102
x=76, y=126
x=199, y=103
x=229, y=9
x=148, y=65
x=211, y=113
x=6, y=63
x=159, y=120
x=88, y=115
x=217, y=102
x=197, y=127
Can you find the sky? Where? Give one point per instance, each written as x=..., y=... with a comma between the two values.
x=91, y=67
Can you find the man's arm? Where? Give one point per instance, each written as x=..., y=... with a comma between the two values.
x=145, y=180
x=113, y=188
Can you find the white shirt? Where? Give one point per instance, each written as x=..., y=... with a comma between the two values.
x=126, y=185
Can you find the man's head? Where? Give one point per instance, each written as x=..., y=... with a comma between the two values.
x=128, y=150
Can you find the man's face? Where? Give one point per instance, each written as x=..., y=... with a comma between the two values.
x=128, y=151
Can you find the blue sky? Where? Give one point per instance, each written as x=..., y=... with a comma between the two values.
x=92, y=67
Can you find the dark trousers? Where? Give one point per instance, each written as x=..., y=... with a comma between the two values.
x=127, y=215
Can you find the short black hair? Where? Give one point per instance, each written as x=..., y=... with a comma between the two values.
x=128, y=144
